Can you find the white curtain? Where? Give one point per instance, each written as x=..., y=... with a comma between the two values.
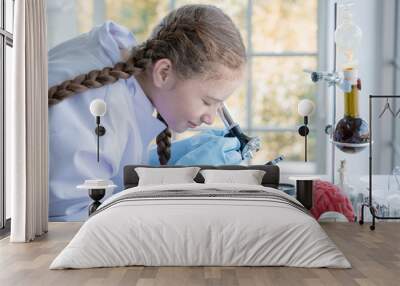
x=26, y=124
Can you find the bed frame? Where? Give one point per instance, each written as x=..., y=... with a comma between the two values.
x=270, y=179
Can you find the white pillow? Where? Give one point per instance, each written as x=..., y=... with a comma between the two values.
x=162, y=176
x=248, y=177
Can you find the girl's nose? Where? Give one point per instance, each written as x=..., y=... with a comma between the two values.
x=208, y=118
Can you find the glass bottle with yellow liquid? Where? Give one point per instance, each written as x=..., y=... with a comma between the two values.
x=351, y=134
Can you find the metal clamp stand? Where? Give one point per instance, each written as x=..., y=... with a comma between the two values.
x=369, y=204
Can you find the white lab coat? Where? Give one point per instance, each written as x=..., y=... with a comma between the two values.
x=129, y=121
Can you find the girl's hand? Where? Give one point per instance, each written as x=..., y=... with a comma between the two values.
x=206, y=148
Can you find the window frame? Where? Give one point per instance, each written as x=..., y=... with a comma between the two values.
x=292, y=166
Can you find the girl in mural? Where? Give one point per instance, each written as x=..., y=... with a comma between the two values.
x=192, y=62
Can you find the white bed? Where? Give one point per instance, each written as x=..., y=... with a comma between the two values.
x=259, y=226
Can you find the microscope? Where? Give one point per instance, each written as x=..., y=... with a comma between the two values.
x=248, y=145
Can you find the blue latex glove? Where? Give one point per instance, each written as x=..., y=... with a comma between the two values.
x=206, y=148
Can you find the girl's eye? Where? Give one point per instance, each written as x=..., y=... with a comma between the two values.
x=206, y=103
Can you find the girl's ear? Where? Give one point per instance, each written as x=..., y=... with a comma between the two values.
x=163, y=75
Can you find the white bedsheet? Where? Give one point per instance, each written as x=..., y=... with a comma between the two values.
x=200, y=231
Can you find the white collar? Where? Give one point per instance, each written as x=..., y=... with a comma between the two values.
x=151, y=126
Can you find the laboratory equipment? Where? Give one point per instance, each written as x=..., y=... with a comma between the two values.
x=351, y=134
x=248, y=145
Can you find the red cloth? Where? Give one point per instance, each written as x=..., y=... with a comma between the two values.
x=329, y=197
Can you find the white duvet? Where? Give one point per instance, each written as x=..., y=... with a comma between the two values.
x=200, y=231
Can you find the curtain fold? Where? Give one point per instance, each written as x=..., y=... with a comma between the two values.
x=27, y=122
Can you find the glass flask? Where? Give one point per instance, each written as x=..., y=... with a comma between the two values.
x=351, y=133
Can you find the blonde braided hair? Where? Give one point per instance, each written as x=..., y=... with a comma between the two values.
x=192, y=37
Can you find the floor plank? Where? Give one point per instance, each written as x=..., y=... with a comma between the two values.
x=374, y=255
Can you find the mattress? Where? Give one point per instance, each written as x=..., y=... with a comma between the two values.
x=201, y=225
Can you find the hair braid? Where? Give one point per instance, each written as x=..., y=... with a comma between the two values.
x=93, y=79
x=141, y=57
x=164, y=144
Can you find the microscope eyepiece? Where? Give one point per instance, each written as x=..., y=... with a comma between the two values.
x=248, y=145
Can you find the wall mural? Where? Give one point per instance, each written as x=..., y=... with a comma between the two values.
x=138, y=82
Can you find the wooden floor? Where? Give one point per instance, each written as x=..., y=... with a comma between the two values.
x=374, y=255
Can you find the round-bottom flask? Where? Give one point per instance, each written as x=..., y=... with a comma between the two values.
x=351, y=133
